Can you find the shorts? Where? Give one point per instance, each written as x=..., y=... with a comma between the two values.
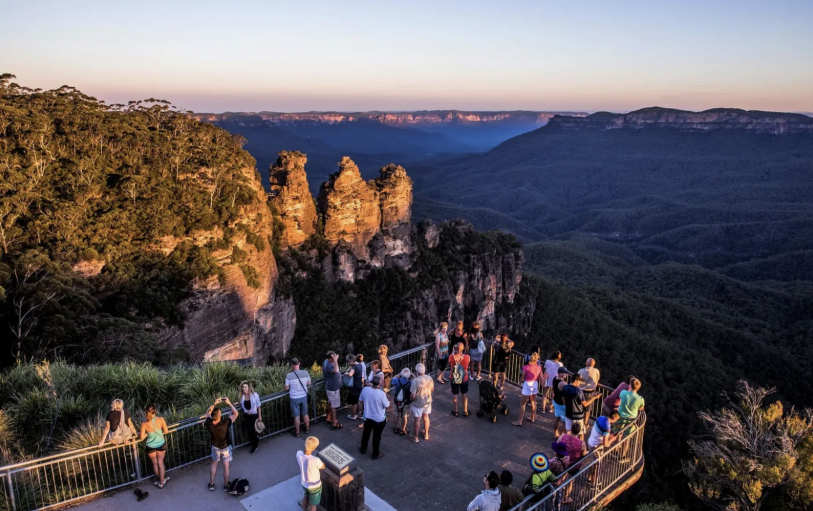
x=574, y=469
x=570, y=422
x=530, y=388
x=420, y=412
x=299, y=407
x=353, y=397
x=559, y=411
x=161, y=448
x=462, y=388
x=442, y=363
x=221, y=454
x=334, y=398
x=622, y=423
x=314, y=495
x=499, y=368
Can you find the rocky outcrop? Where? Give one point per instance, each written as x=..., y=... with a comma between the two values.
x=714, y=119
x=351, y=208
x=221, y=315
x=395, y=196
x=291, y=197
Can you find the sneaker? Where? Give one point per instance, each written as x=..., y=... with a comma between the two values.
x=254, y=450
x=380, y=455
x=352, y=417
x=211, y=487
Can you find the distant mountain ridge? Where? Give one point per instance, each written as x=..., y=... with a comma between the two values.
x=713, y=119
x=386, y=117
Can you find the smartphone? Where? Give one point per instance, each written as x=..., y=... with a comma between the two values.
x=222, y=399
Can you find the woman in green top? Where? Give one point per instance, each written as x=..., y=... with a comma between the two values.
x=152, y=433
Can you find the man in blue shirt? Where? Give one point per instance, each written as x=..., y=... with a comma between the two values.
x=375, y=416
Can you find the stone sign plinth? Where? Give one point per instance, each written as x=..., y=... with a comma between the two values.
x=342, y=481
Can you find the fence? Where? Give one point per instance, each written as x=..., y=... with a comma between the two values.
x=55, y=480
x=62, y=478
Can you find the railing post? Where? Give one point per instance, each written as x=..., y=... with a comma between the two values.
x=490, y=360
x=137, y=461
x=313, y=401
x=231, y=433
x=11, y=491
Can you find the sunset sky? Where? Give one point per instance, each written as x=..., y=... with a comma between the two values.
x=470, y=55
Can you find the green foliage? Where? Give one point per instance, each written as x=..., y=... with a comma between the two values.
x=107, y=184
x=252, y=276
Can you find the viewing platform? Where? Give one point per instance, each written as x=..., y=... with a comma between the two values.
x=443, y=473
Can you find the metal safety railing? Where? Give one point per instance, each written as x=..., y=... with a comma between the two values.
x=65, y=477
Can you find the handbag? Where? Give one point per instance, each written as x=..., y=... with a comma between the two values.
x=259, y=426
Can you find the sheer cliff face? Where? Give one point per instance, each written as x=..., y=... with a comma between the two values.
x=224, y=319
x=714, y=119
x=292, y=198
x=351, y=208
x=395, y=195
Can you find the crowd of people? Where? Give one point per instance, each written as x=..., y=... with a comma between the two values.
x=405, y=399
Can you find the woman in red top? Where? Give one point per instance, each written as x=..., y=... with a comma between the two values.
x=534, y=376
x=460, y=378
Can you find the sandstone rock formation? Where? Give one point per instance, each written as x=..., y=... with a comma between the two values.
x=222, y=318
x=351, y=208
x=395, y=195
x=292, y=198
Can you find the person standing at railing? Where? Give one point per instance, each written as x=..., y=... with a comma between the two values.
x=118, y=425
x=459, y=374
x=459, y=335
x=252, y=413
x=386, y=367
x=297, y=383
x=356, y=375
x=591, y=377
x=442, y=350
x=612, y=401
x=333, y=387
x=153, y=432
x=630, y=405
x=478, y=347
x=552, y=366
x=510, y=495
x=218, y=428
x=601, y=438
x=576, y=404
x=501, y=357
x=559, y=408
x=558, y=465
x=532, y=376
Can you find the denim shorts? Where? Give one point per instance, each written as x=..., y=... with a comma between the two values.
x=559, y=411
x=299, y=406
x=221, y=454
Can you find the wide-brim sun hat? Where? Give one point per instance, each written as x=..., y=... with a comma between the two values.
x=539, y=462
x=559, y=448
x=259, y=426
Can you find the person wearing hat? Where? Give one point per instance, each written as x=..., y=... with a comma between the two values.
x=489, y=499
x=375, y=416
x=542, y=475
x=558, y=465
x=559, y=400
x=601, y=437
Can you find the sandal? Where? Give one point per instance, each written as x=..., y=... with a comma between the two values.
x=337, y=426
x=517, y=424
x=425, y=435
x=466, y=413
x=414, y=439
x=455, y=413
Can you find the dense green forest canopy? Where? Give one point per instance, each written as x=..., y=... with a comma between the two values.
x=86, y=182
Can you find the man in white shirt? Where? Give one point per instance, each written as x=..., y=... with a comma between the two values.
x=591, y=376
x=297, y=382
x=552, y=366
x=375, y=416
x=490, y=498
x=309, y=467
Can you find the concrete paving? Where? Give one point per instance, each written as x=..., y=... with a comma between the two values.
x=443, y=473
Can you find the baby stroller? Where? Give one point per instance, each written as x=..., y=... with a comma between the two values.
x=491, y=401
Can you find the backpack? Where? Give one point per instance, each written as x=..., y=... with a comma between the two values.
x=458, y=373
x=122, y=433
x=402, y=394
x=239, y=486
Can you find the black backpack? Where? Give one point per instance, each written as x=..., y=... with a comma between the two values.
x=239, y=486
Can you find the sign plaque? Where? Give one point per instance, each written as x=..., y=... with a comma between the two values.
x=337, y=459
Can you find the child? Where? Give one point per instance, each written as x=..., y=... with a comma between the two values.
x=311, y=479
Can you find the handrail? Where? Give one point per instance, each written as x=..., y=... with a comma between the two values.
x=61, y=478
